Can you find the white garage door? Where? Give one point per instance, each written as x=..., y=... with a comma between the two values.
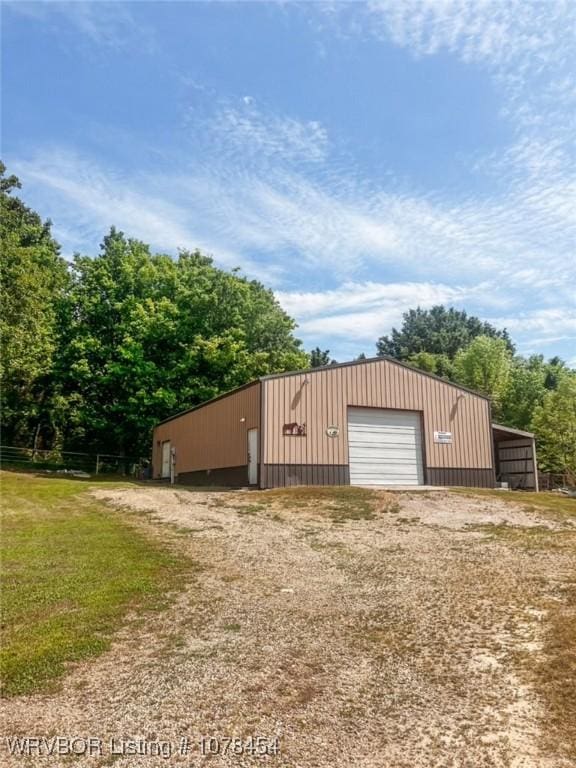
x=385, y=447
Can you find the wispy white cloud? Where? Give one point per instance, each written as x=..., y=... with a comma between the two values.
x=356, y=314
x=361, y=312
x=551, y=322
x=104, y=24
x=528, y=47
x=516, y=40
x=475, y=30
x=357, y=297
x=520, y=242
x=272, y=194
x=260, y=133
x=500, y=252
x=86, y=200
x=524, y=236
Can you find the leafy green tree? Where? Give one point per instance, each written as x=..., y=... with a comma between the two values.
x=484, y=366
x=525, y=391
x=150, y=335
x=555, y=368
x=33, y=280
x=438, y=331
x=319, y=357
x=439, y=365
x=530, y=379
x=554, y=423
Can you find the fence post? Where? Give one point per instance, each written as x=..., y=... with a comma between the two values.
x=97, y=463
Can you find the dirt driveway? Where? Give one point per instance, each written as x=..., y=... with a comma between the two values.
x=403, y=631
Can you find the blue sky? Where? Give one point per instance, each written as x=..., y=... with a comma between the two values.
x=358, y=158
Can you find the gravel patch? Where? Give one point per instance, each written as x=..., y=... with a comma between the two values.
x=392, y=642
x=450, y=510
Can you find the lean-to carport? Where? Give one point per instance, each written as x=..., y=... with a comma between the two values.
x=515, y=457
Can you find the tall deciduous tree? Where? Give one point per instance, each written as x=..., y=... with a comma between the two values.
x=554, y=423
x=525, y=391
x=33, y=280
x=438, y=331
x=485, y=367
x=320, y=357
x=150, y=335
x=555, y=369
x=439, y=365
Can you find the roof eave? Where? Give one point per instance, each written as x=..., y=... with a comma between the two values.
x=512, y=430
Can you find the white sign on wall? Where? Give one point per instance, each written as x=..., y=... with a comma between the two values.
x=443, y=437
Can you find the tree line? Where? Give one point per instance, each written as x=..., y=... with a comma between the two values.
x=96, y=351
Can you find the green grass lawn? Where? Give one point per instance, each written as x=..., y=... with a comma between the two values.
x=71, y=570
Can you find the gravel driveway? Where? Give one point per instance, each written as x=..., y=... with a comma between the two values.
x=396, y=640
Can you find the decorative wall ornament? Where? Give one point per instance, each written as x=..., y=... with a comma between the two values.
x=294, y=429
x=333, y=431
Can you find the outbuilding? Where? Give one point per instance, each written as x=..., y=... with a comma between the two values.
x=375, y=422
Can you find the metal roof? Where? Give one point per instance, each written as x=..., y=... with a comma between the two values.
x=329, y=367
x=511, y=430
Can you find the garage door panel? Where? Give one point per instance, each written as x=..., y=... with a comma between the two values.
x=376, y=469
x=390, y=440
x=385, y=479
x=397, y=456
x=376, y=426
x=387, y=415
x=384, y=441
x=385, y=447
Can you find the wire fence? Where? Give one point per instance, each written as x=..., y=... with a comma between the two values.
x=548, y=481
x=72, y=462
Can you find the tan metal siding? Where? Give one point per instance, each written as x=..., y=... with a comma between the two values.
x=213, y=436
x=324, y=399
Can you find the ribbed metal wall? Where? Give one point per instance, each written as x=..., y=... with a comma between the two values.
x=213, y=436
x=319, y=399
x=471, y=478
x=280, y=475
